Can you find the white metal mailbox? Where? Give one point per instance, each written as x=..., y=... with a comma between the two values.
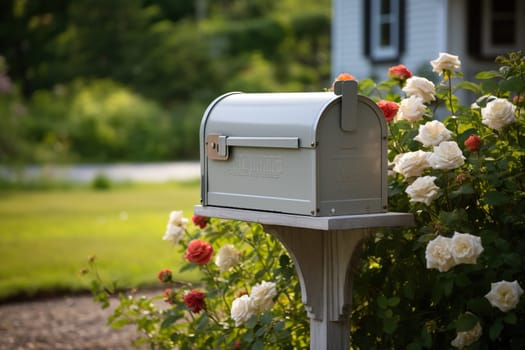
x=315, y=153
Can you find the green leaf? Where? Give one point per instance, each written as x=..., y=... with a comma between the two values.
x=495, y=198
x=414, y=346
x=382, y=302
x=466, y=322
x=510, y=318
x=426, y=338
x=394, y=301
x=203, y=322
x=278, y=326
x=514, y=84
x=489, y=86
x=260, y=332
x=390, y=324
x=463, y=190
x=258, y=345
x=251, y=323
x=495, y=329
x=470, y=86
x=488, y=74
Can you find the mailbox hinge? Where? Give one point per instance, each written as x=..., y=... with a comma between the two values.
x=217, y=146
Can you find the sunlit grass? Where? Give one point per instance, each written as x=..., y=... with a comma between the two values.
x=46, y=237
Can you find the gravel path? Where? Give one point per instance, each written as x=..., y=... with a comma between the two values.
x=64, y=323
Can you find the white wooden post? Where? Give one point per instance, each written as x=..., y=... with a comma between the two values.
x=324, y=251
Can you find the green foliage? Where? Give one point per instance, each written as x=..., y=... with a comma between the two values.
x=110, y=122
x=261, y=258
x=169, y=57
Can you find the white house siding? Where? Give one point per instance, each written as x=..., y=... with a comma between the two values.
x=347, y=39
x=424, y=34
x=425, y=37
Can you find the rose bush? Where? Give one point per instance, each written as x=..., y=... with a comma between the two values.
x=247, y=298
x=432, y=286
x=456, y=163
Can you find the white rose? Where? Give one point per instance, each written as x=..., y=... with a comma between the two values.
x=466, y=248
x=439, y=254
x=242, y=310
x=447, y=155
x=423, y=189
x=504, y=295
x=464, y=339
x=175, y=227
x=411, y=109
x=227, y=257
x=419, y=86
x=411, y=163
x=498, y=113
x=445, y=61
x=433, y=133
x=262, y=295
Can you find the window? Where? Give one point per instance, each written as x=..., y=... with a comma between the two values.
x=496, y=27
x=383, y=29
x=499, y=26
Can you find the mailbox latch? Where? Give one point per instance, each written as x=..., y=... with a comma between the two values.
x=217, y=146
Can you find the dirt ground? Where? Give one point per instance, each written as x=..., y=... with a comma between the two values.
x=61, y=323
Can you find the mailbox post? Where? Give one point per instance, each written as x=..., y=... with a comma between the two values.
x=324, y=251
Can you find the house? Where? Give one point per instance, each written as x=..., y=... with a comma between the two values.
x=369, y=36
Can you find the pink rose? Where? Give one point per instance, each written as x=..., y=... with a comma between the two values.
x=199, y=252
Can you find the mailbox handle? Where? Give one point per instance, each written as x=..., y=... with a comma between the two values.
x=217, y=146
x=263, y=142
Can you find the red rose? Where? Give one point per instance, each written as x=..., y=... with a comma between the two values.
x=169, y=295
x=195, y=301
x=199, y=252
x=200, y=221
x=473, y=142
x=399, y=72
x=389, y=109
x=164, y=275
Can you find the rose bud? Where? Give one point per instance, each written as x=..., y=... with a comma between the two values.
x=473, y=142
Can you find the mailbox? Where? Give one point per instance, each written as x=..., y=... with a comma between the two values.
x=314, y=153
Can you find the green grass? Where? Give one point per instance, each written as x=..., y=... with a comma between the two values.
x=46, y=236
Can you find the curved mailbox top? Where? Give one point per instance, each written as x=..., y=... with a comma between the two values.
x=264, y=114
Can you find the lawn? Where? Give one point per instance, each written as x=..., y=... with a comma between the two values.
x=47, y=236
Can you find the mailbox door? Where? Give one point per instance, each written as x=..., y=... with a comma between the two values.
x=353, y=164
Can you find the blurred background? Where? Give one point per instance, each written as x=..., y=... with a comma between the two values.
x=128, y=80
x=97, y=88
